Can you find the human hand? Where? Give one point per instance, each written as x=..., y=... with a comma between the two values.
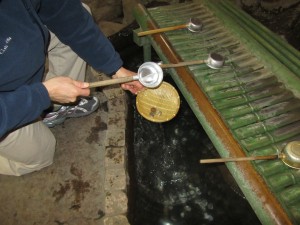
x=134, y=87
x=65, y=89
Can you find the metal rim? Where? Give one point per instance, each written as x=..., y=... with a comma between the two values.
x=150, y=69
x=195, y=25
x=215, y=61
x=291, y=154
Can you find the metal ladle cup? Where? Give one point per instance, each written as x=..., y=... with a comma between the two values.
x=215, y=60
x=194, y=25
x=149, y=74
x=290, y=156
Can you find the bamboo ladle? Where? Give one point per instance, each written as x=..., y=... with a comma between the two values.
x=290, y=156
x=194, y=25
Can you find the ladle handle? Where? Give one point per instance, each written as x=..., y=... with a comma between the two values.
x=182, y=64
x=112, y=81
x=160, y=30
x=237, y=159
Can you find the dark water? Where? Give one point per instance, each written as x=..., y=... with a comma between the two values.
x=168, y=186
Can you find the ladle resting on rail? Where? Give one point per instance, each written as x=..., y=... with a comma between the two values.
x=150, y=74
x=290, y=156
x=194, y=25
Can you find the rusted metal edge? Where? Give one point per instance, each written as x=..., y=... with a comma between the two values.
x=260, y=191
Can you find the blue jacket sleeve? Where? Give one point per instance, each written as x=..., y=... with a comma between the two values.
x=75, y=27
x=27, y=97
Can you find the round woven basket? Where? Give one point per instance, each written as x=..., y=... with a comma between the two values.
x=159, y=104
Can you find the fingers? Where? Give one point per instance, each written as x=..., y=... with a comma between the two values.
x=81, y=84
x=82, y=88
x=122, y=72
x=134, y=89
x=65, y=90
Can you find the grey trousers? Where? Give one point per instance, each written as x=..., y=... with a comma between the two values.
x=32, y=147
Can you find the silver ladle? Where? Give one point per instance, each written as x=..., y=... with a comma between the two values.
x=149, y=75
x=290, y=156
x=194, y=25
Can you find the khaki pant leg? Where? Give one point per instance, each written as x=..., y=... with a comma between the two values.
x=27, y=149
x=63, y=61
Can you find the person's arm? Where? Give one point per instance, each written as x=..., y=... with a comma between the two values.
x=75, y=27
x=31, y=100
x=25, y=103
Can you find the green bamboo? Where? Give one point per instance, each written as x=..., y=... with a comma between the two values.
x=230, y=102
x=271, y=167
x=283, y=52
x=225, y=93
x=295, y=210
x=257, y=141
x=287, y=70
x=265, y=32
x=249, y=130
x=282, y=180
x=291, y=195
x=282, y=119
x=267, y=150
x=271, y=101
x=260, y=83
x=286, y=132
x=232, y=112
x=274, y=110
x=240, y=121
x=212, y=86
x=270, y=124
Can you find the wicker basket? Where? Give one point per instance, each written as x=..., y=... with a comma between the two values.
x=159, y=104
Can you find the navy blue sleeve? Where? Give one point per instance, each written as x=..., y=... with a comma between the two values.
x=20, y=104
x=75, y=27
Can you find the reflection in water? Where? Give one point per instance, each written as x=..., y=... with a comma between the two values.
x=170, y=187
